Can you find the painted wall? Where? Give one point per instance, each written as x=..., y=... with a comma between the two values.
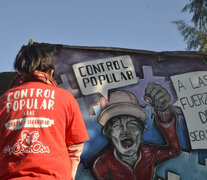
x=159, y=68
x=119, y=91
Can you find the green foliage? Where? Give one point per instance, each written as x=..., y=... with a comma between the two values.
x=195, y=34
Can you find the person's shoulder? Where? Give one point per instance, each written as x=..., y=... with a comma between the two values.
x=149, y=149
x=105, y=153
x=2, y=97
x=63, y=92
x=65, y=96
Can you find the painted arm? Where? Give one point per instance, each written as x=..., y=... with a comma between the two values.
x=166, y=122
x=159, y=98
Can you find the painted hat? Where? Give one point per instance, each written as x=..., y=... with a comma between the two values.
x=120, y=103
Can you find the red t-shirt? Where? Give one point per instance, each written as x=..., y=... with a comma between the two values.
x=37, y=123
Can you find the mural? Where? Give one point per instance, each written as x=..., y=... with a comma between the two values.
x=145, y=112
x=123, y=122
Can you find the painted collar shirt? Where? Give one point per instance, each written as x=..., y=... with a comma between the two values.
x=107, y=166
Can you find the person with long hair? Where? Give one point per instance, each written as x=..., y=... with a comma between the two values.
x=41, y=127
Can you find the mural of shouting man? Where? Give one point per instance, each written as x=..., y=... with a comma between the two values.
x=122, y=118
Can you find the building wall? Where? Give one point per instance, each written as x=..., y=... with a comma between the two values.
x=93, y=74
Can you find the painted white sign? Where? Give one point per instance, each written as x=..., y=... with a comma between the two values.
x=101, y=75
x=191, y=89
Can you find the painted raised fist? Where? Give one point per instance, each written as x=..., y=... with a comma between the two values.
x=157, y=96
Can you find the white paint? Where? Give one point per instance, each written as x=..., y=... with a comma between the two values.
x=191, y=89
x=101, y=75
x=29, y=122
x=172, y=176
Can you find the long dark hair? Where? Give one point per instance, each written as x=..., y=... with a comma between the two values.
x=32, y=57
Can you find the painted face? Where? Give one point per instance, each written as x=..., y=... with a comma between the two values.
x=126, y=134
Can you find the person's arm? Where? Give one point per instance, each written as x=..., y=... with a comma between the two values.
x=165, y=119
x=76, y=133
x=166, y=122
x=75, y=152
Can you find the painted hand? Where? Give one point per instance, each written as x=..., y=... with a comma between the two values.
x=157, y=96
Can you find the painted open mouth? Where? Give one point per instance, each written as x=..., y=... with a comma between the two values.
x=127, y=142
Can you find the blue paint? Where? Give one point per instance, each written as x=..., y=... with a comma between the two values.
x=202, y=155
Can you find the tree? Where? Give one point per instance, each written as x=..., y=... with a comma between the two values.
x=195, y=34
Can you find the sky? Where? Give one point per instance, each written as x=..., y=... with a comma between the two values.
x=133, y=24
